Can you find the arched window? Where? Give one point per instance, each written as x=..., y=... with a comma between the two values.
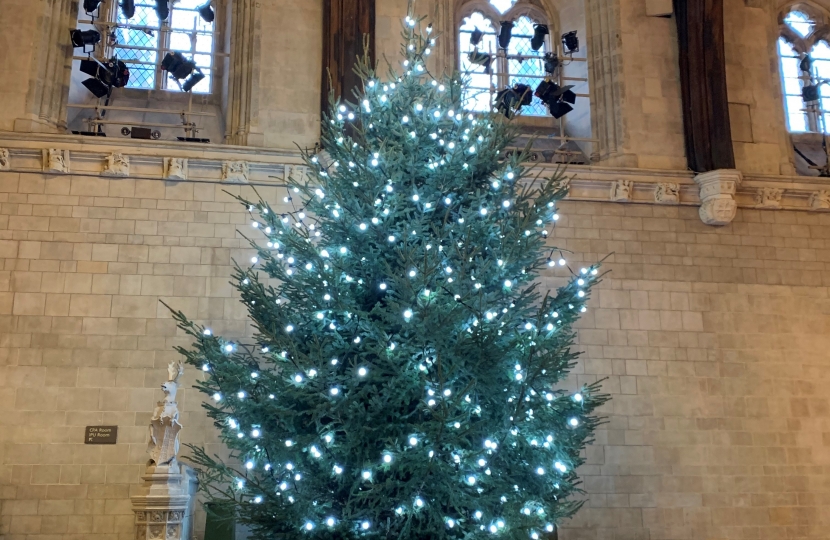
x=805, y=68
x=491, y=68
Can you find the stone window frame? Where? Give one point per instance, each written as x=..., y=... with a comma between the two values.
x=802, y=46
x=528, y=8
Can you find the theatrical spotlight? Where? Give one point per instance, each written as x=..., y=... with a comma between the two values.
x=177, y=65
x=206, y=13
x=105, y=77
x=84, y=38
x=551, y=62
x=194, y=79
x=570, y=42
x=162, y=9
x=539, y=33
x=558, y=98
x=809, y=93
x=480, y=59
x=128, y=8
x=475, y=37
x=510, y=100
x=505, y=34
x=91, y=5
x=180, y=68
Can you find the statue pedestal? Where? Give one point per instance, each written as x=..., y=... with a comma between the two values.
x=164, y=503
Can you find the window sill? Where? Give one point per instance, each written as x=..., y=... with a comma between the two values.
x=167, y=96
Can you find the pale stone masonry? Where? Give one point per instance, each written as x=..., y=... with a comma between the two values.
x=713, y=342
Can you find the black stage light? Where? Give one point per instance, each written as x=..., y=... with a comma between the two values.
x=162, y=9
x=558, y=98
x=510, y=100
x=806, y=64
x=571, y=42
x=551, y=62
x=113, y=74
x=539, y=33
x=177, y=65
x=475, y=37
x=194, y=79
x=98, y=88
x=206, y=13
x=82, y=38
x=810, y=92
x=505, y=34
x=480, y=59
x=128, y=8
x=91, y=5
x=560, y=109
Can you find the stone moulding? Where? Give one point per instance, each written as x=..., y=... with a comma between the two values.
x=175, y=168
x=820, y=200
x=214, y=164
x=235, y=172
x=717, y=196
x=621, y=190
x=769, y=197
x=667, y=193
x=116, y=164
x=55, y=160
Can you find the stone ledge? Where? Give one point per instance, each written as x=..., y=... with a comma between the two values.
x=233, y=164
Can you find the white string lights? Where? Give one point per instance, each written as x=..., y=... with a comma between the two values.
x=403, y=337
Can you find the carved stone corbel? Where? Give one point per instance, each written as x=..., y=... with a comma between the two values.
x=667, y=193
x=55, y=160
x=621, y=190
x=117, y=164
x=717, y=195
x=768, y=197
x=235, y=172
x=175, y=168
x=820, y=200
x=5, y=162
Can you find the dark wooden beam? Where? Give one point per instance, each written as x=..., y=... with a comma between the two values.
x=703, y=84
x=345, y=23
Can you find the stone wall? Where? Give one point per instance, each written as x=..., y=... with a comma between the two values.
x=282, y=62
x=713, y=343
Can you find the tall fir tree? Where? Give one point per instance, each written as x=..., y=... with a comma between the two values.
x=403, y=378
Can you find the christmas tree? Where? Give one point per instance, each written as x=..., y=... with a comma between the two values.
x=403, y=378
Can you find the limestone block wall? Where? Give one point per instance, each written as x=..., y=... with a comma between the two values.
x=713, y=343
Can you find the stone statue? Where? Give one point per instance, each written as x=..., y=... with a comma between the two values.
x=621, y=190
x=164, y=502
x=164, y=425
x=820, y=200
x=117, y=164
x=175, y=168
x=5, y=163
x=56, y=161
x=667, y=193
x=767, y=197
x=235, y=172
